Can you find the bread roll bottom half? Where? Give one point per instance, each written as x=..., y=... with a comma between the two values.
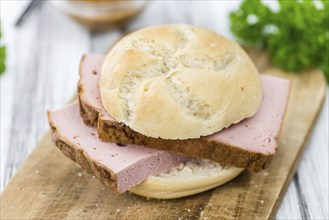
x=192, y=177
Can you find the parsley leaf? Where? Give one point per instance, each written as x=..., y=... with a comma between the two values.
x=296, y=36
x=2, y=57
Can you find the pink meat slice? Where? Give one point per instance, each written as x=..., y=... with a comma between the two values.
x=130, y=164
x=256, y=134
x=260, y=133
x=90, y=68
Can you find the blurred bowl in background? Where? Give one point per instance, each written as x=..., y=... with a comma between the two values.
x=101, y=15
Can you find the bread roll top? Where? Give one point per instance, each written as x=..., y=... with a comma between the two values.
x=179, y=82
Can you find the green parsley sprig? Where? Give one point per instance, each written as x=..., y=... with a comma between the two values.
x=296, y=36
x=2, y=56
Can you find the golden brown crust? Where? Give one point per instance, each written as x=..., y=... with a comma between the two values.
x=93, y=168
x=88, y=113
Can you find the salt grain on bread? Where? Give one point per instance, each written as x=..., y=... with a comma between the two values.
x=179, y=82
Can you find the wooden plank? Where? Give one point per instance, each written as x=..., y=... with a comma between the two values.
x=50, y=186
x=288, y=208
x=313, y=170
x=37, y=52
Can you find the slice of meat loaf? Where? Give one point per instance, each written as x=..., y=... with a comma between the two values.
x=90, y=105
x=116, y=166
x=249, y=144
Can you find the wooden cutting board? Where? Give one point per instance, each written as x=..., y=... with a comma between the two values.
x=50, y=186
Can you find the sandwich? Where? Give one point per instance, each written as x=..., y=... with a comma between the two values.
x=171, y=111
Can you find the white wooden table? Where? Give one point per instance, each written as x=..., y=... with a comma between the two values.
x=42, y=72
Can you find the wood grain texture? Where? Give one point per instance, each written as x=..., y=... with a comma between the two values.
x=55, y=187
x=42, y=62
